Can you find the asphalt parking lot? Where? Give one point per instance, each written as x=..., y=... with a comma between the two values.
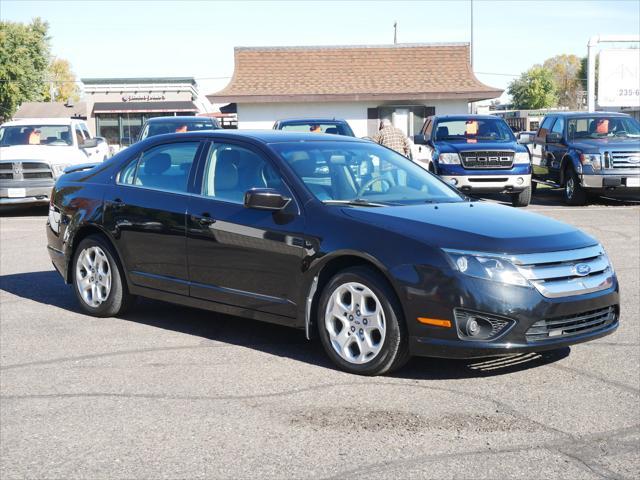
x=169, y=392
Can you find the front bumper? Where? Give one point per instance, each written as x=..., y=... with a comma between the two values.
x=625, y=183
x=524, y=306
x=495, y=183
x=31, y=195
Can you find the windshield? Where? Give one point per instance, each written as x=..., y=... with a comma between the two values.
x=363, y=172
x=600, y=127
x=160, y=128
x=51, y=135
x=472, y=130
x=333, y=128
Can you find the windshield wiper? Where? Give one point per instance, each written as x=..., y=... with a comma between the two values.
x=358, y=202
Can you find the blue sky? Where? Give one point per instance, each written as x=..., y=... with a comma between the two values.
x=196, y=38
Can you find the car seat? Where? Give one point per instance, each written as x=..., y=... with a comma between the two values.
x=305, y=167
x=442, y=132
x=226, y=177
x=332, y=130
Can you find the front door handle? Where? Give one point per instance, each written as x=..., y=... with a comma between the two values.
x=204, y=220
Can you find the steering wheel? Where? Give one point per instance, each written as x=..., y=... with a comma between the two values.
x=368, y=184
x=619, y=132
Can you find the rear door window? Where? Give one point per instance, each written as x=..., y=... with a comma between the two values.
x=164, y=167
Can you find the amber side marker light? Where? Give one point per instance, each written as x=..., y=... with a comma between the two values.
x=434, y=321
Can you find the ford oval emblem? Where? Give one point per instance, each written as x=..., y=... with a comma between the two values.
x=583, y=269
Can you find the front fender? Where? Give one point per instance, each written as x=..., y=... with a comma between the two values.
x=571, y=158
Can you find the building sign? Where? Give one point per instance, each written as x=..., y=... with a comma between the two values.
x=619, y=78
x=143, y=98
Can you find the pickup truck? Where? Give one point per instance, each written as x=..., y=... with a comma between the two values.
x=588, y=153
x=35, y=152
x=476, y=154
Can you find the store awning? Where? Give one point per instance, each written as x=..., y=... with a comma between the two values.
x=139, y=107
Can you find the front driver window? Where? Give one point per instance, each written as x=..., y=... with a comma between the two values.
x=231, y=171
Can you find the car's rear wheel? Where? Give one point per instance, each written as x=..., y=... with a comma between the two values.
x=360, y=323
x=98, y=281
x=574, y=194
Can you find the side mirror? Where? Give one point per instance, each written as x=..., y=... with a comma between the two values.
x=553, y=137
x=90, y=143
x=419, y=140
x=525, y=139
x=265, y=199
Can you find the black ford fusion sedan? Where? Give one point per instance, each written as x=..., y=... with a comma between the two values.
x=337, y=236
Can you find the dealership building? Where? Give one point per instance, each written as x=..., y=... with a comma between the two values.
x=361, y=84
x=116, y=108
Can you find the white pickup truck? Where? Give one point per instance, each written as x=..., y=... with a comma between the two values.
x=34, y=153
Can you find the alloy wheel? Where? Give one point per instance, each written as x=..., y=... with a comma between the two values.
x=355, y=321
x=93, y=276
x=569, y=187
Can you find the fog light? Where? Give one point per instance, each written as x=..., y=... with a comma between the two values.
x=472, y=327
x=453, y=181
x=520, y=181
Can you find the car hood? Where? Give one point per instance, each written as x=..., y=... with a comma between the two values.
x=601, y=144
x=49, y=154
x=457, y=147
x=476, y=226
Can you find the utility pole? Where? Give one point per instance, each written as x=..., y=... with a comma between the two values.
x=395, y=32
x=471, y=43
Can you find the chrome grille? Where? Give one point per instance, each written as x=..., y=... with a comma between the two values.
x=487, y=159
x=20, y=170
x=570, y=325
x=624, y=159
x=565, y=273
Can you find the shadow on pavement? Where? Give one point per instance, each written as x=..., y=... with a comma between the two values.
x=22, y=211
x=47, y=287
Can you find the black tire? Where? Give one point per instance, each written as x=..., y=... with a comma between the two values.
x=574, y=193
x=521, y=199
x=534, y=187
x=394, y=352
x=119, y=300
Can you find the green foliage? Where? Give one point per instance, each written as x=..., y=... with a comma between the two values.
x=64, y=81
x=24, y=58
x=565, y=70
x=534, y=89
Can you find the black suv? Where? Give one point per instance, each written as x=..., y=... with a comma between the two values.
x=588, y=152
x=317, y=125
x=161, y=125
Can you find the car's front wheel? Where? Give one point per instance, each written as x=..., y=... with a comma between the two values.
x=574, y=193
x=360, y=323
x=521, y=199
x=98, y=282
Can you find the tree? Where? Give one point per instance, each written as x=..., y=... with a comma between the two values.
x=565, y=70
x=534, y=89
x=64, y=82
x=24, y=57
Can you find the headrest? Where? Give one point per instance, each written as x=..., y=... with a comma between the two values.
x=332, y=130
x=157, y=164
x=302, y=164
x=442, y=132
x=226, y=174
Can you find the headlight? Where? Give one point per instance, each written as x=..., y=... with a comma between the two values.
x=449, y=158
x=485, y=266
x=58, y=169
x=595, y=160
x=521, y=157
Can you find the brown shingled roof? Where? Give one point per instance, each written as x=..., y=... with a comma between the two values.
x=348, y=73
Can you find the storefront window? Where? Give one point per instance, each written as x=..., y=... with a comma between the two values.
x=107, y=126
x=131, y=126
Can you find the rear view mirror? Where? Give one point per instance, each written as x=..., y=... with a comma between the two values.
x=265, y=199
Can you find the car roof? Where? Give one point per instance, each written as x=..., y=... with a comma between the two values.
x=588, y=114
x=466, y=117
x=311, y=120
x=182, y=119
x=42, y=121
x=263, y=136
